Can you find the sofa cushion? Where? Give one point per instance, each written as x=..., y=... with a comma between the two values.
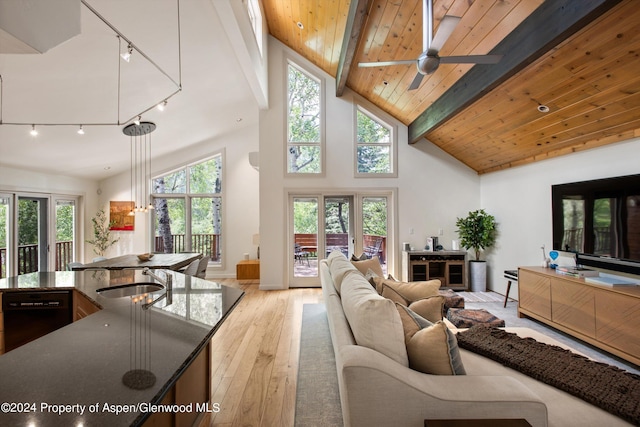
x=374, y=320
x=372, y=264
x=431, y=347
x=340, y=267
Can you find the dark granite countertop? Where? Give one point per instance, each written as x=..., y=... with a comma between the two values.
x=82, y=364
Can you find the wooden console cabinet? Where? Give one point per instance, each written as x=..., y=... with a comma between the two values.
x=248, y=269
x=606, y=317
x=446, y=266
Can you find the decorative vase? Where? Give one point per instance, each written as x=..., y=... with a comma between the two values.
x=478, y=276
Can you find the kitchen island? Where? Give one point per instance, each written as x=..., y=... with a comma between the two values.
x=74, y=375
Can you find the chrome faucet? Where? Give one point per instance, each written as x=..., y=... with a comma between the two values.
x=167, y=282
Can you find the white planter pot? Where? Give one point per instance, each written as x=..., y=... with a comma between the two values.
x=478, y=276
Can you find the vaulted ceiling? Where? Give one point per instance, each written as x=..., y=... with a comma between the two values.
x=578, y=58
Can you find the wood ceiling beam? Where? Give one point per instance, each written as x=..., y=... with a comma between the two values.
x=551, y=23
x=358, y=11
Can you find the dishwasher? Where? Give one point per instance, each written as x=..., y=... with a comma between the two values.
x=28, y=315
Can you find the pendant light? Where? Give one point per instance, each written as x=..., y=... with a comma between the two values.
x=140, y=136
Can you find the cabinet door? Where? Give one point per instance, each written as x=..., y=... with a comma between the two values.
x=618, y=321
x=1, y=327
x=534, y=293
x=419, y=271
x=82, y=307
x=573, y=306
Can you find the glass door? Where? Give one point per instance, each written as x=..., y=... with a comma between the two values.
x=33, y=241
x=338, y=225
x=5, y=234
x=305, y=224
x=374, y=216
x=65, y=232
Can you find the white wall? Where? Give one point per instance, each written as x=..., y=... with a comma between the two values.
x=19, y=180
x=432, y=188
x=240, y=188
x=520, y=199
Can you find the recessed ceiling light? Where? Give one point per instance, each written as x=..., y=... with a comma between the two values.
x=107, y=168
x=300, y=25
x=543, y=108
x=239, y=119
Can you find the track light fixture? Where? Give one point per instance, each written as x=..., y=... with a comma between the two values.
x=124, y=54
x=127, y=55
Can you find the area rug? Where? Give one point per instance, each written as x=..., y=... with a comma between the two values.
x=317, y=395
x=605, y=386
x=481, y=296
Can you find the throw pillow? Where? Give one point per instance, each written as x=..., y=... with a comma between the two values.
x=431, y=347
x=431, y=308
x=412, y=291
x=373, y=264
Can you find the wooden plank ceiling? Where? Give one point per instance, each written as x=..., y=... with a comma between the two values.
x=587, y=73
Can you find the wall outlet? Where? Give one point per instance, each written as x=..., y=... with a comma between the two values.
x=411, y=231
x=440, y=232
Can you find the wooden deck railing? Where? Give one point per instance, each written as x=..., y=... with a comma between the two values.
x=28, y=258
x=206, y=244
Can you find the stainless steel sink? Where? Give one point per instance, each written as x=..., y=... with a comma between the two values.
x=129, y=290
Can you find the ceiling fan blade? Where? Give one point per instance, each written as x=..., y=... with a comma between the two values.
x=415, y=84
x=447, y=25
x=385, y=63
x=471, y=59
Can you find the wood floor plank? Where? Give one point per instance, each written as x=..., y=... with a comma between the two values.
x=255, y=357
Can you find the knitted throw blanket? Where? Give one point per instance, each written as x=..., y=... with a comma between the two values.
x=605, y=386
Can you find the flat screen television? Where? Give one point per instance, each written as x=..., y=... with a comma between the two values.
x=599, y=220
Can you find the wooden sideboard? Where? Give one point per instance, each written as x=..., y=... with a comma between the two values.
x=603, y=316
x=446, y=266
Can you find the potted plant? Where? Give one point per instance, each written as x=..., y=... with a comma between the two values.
x=478, y=232
x=101, y=233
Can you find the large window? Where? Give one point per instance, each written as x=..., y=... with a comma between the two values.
x=188, y=209
x=304, y=123
x=255, y=16
x=374, y=146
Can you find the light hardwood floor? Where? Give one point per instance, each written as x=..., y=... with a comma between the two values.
x=255, y=357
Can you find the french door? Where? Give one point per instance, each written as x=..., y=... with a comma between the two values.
x=349, y=222
x=38, y=232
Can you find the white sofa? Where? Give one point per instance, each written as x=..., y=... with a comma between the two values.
x=379, y=390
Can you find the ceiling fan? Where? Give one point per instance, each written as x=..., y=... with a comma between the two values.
x=429, y=60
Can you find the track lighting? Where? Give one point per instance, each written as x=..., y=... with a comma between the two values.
x=33, y=131
x=127, y=55
x=137, y=121
x=162, y=105
x=80, y=131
